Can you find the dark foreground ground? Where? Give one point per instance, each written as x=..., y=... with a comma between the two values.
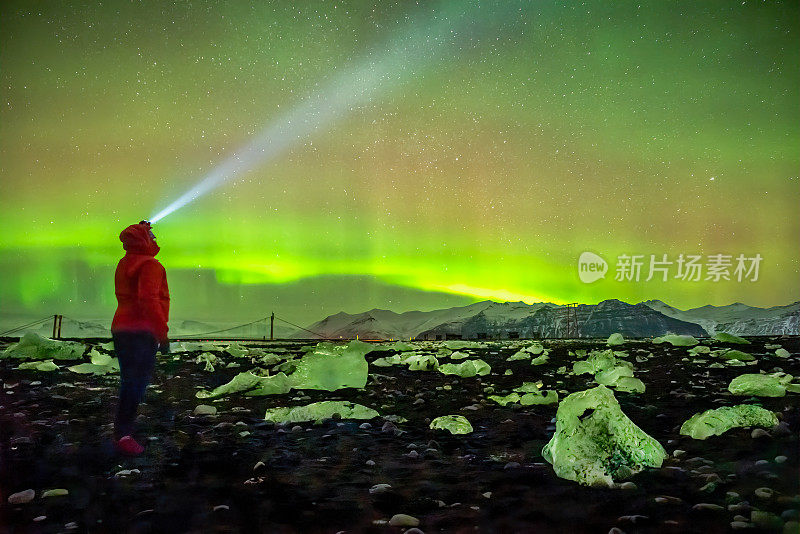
x=205, y=474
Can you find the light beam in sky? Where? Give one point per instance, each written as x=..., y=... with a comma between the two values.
x=425, y=39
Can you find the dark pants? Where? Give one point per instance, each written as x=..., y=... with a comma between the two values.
x=136, y=352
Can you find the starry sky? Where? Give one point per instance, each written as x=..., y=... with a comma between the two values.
x=478, y=150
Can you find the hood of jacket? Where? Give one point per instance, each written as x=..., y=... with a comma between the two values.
x=137, y=239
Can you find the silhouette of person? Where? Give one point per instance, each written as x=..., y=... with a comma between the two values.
x=139, y=327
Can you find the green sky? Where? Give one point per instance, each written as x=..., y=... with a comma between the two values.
x=512, y=138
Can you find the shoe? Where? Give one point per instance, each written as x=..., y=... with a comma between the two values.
x=128, y=446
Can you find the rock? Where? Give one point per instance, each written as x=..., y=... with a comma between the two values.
x=633, y=519
x=780, y=459
x=39, y=518
x=221, y=508
x=413, y=530
x=615, y=530
x=668, y=499
x=377, y=489
x=759, y=433
x=205, y=409
x=403, y=520
x=72, y=525
x=365, y=426
x=706, y=506
x=763, y=493
x=370, y=463
x=22, y=497
x=740, y=525
x=793, y=514
x=628, y=486
x=511, y=465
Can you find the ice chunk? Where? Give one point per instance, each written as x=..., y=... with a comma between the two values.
x=615, y=339
x=734, y=355
x=595, y=442
x=272, y=385
x=457, y=344
x=519, y=355
x=582, y=367
x=331, y=367
x=610, y=377
x=318, y=411
x=401, y=346
x=236, y=350
x=502, y=400
x=209, y=359
x=455, y=424
x=529, y=387
x=699, y=349
x=720, y=420
x=98, y=358
x=724, y=337
x=241, y=382
x=539, y=360
x=421, y=362
x=760, y=385
x=46, y=365
x=543, y=397
x=629, y=384
x=459, y=355
x=32, y=346
x=466, y=368
x=782, y=353
x=387, y=361
x=676, y=340
x=534, y=348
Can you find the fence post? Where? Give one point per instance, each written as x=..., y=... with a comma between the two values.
x=272, y=326
x=55, y=324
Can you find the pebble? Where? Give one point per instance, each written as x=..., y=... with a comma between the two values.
x=21, y=497
x=627, y=486
x=780, y=459
x=126, y=472
x=377, y=489
x=678, y=453
x=413, y=530
x=668, y=499
x=365, y=426
x=221, y=508
x=403, y=520
x=511, y=465
x=205, y=409
x=759, y=433
x=763, y=493
x=370, y=463
x=616, y=530
x=390, y=428
x=39, y=518
x=296, y=429
x=259, y=465
x=793, y=514
x=707, y=506
x=740, y=525
x=413, y=455
x=633, y=519
x=72, y=525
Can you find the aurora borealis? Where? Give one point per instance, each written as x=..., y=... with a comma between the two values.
x=507, y=139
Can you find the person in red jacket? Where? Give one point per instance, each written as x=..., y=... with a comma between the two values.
x=139, y=327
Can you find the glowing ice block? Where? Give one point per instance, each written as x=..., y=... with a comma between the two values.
x=718, y=421
x=455, y=424
x=595, y=443
x=318, y=411
x=32, y=346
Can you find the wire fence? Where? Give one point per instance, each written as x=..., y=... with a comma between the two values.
x=197, y=335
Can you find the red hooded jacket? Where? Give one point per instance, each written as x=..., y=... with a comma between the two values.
x=141, y=286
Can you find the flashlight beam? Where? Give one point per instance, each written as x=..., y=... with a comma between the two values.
x=441, y=30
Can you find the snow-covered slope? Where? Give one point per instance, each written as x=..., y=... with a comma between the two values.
x=502, y=320
x=738, y=318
